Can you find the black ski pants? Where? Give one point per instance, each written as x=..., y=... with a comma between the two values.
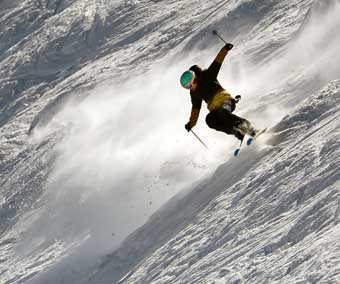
x=223, y=120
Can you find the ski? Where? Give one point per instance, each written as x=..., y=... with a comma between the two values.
x=251, y=140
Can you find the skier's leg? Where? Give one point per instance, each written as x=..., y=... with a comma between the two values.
x=223, y=120
x=219, y=120
x=212, y=120
x=238, y=133
x=245, y=126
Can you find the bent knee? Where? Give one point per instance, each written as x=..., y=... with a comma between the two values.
x=211, y=120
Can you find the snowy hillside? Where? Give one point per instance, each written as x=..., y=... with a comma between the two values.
x=99, y=181
x=276, y=220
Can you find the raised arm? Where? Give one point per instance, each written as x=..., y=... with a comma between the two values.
x=223, y=52
x=215, y=66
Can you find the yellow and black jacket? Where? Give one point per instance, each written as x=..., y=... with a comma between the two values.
x=208, y=89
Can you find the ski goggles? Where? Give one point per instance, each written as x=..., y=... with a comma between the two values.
x=187, y=79
x=189, y=85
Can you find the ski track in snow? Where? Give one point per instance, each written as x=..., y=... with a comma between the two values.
x=271, y=215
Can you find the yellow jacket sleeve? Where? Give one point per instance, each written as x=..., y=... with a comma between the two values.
x=195, y=112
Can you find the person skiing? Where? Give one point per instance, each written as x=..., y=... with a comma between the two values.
x=203, y=85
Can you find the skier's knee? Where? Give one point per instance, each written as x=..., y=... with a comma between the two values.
x=210, y=120
x=219, y=122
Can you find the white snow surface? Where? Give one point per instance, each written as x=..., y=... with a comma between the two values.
x=99, y=181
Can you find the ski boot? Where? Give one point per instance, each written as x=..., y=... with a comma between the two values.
x=246, y=127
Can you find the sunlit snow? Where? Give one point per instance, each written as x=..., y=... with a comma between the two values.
x=100, y=182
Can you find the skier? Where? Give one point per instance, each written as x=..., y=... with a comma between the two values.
x=203, y=85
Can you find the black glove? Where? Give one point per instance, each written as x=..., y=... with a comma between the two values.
x=188, y=126
x=228, y=46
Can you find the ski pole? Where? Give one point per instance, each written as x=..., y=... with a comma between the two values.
x=216, y=34
x=199, y=139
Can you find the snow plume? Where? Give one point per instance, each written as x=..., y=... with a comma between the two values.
x=125, y=153
x=320, y=40
x=314, y=55
x=304, y=64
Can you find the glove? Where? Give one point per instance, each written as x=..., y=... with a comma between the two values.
x=188, y=126
x=228, y=46
x=237, y=98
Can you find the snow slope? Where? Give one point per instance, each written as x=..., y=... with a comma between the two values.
x=277, y=221
x=92, y=143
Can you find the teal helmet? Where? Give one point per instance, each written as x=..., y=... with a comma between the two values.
x=187, y=79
